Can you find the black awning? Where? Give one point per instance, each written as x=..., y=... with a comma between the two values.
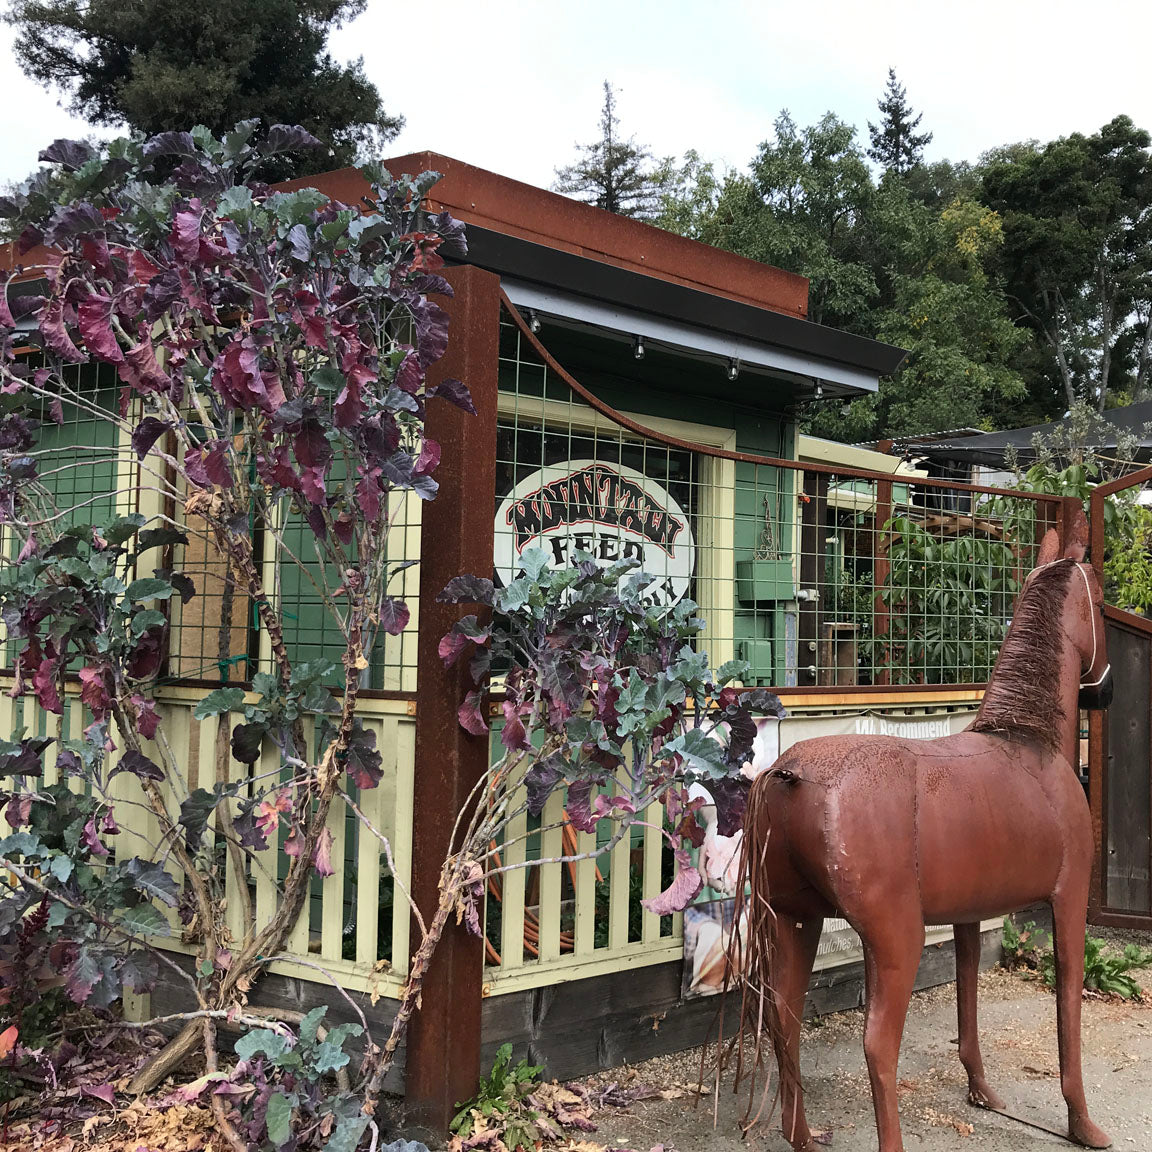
x=510, y=255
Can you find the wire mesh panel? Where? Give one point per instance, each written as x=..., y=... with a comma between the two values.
x=76, y=452
x=902, y=582
x=217, y=634
x=818, y=578
x=213, y=634
x=76, y=478
x=570, y=482
x=301, y=582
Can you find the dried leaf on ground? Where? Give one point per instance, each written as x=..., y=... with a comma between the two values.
x=946, y=1120
x=569, y=1105
x=615, y=1095
x=142, y=1124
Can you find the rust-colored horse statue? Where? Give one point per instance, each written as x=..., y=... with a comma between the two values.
x=893, y=834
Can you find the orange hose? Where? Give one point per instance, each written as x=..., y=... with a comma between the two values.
x=570, y=844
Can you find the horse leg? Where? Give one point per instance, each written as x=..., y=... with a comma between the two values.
x=967, y=938
x=891, y=956
x=1069, y=919
x=795, y=954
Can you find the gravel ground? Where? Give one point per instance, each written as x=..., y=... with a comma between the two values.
x=1018, y=1035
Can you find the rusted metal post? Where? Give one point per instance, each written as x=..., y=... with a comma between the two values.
x=456, y=536
x=1071, y=508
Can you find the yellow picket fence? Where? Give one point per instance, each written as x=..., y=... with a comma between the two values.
x=572, y=919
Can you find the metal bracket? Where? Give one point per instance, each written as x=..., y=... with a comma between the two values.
x=1028, y=1123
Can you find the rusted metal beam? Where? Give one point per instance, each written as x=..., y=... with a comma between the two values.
x=605, y=409
x=1071, y=508
x=456, y=536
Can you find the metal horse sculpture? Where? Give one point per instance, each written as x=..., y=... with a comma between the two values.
x=892, y=834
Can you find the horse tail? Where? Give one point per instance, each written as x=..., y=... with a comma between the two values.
x=751, y=951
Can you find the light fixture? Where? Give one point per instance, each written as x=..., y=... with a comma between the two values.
x=819, y=393
x=733, y=368
x=533, y=320
x=638, y=347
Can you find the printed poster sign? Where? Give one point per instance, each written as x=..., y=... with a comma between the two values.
x=609, y=511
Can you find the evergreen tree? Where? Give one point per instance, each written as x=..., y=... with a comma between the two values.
x=157, y=66
x=895, y=142
x=615, y=173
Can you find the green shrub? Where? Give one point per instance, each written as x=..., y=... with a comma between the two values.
x=1105, y=970
x=1023, y=946
x=502, y=1103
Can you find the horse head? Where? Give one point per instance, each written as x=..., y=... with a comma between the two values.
x=1084, y=616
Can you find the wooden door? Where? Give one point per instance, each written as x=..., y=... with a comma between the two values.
x=1120, y=780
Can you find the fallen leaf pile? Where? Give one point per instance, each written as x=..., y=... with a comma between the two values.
x=181, y=1128
x=559, y=1107
x=565, y=1105
x=73, y=1100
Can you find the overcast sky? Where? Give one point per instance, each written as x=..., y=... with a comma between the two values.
x=512, y=86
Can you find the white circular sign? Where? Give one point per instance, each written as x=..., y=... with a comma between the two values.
x=606, y=510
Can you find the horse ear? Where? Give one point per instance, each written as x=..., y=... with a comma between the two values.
x=1077, y=543
x=1049, y=548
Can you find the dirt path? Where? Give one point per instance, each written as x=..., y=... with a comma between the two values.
x=1018, y=1032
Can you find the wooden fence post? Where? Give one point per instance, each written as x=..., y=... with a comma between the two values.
x=443, y=1052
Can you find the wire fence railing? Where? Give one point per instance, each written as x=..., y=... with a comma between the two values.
x=821, y=577
x=818, y=576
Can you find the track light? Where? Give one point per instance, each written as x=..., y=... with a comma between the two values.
x=733, y=368
x=533, y=320
x=638, y=347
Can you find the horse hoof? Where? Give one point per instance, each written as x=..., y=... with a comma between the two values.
x=981, y=1096
x=814, y=1142
x=1082, y=1131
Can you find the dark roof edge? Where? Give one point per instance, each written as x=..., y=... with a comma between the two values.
x=991, y=446
x=511, y=256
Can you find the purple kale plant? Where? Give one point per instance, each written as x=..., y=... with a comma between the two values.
x=271, y=348
x=604, y=693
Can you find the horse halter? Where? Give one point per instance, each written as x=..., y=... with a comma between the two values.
x=1095, y=642
x=1080, y=567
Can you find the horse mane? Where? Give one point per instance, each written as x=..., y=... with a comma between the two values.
x=1021, y=700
